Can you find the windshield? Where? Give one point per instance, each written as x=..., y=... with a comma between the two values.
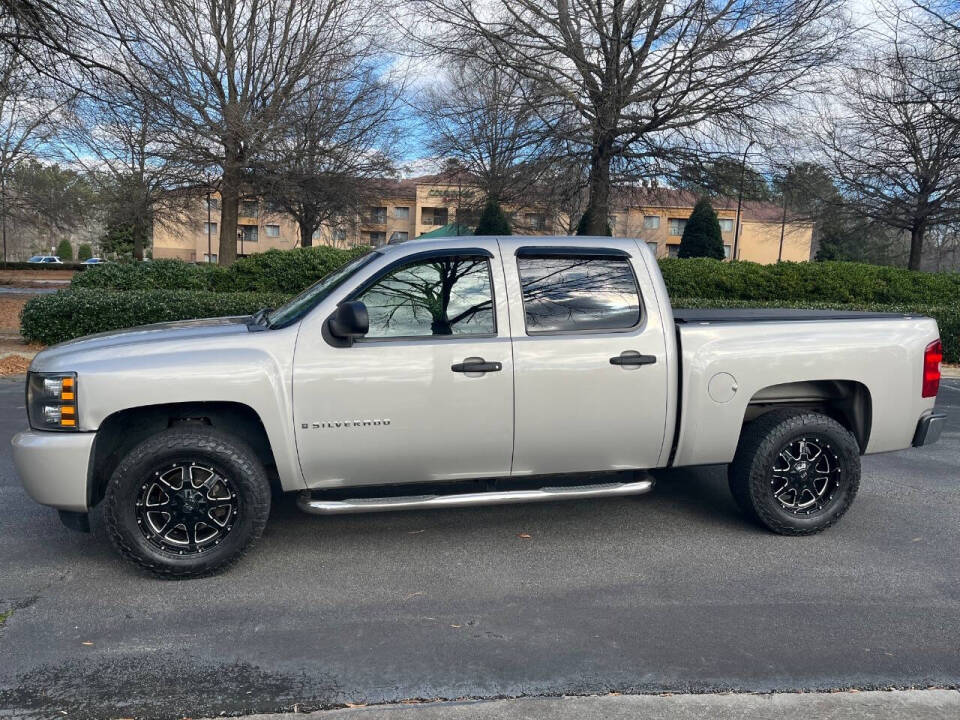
x=313, y=295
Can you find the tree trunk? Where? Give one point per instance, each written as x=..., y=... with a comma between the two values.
x=306, y=234
x=598, y=204
x=229, y=209
x=139, y=240
x=916, y=245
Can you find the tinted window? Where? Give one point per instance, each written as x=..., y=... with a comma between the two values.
x=578, y=293
x=440, y=296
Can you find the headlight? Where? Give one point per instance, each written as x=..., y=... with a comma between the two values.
x=52, y=401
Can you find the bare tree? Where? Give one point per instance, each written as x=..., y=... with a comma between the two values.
x=896, y=155
x=115, y=134
x=623, y=71
x=226, y=74
x=336, y=146
x=24, y=126
x=484, y=119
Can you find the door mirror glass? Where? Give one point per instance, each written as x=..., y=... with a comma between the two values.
x=350, y=321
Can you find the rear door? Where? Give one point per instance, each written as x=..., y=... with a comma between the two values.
x=590, y=364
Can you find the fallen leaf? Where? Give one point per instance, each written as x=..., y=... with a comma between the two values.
x=86, y=642
x=456, y=626
x=415, y=532
x=355, y=705
x=412, y=595
x=917, y=539
x=524, y=536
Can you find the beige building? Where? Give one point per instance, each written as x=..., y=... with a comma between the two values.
x=407, y=209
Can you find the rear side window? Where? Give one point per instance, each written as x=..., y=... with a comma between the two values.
x=578, y=293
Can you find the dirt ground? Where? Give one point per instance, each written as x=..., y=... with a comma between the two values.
x=32, y=278
x=10, y=312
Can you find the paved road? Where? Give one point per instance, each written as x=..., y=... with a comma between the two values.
x=669, y=591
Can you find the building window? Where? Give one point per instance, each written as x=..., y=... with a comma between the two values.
x=677, y=225
x=535, y=221
x=401, y=213
x=250, y=208
x=209, y=258
x=212, y=204
x=339, y=235
x=376, y=239
x=673, y=251
x=378, y=215
x=651, y=222
x=210, y=228
x=578, y=293
x=726, y=225
x=726, y=252
x=654, y=247
x=274, y=207
x=272, y=230
x=414, y=301
x=399, y=237
x=434, y=216
x=250, y=233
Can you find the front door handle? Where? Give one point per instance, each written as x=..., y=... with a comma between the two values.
x=631, y=357
x=476, y=365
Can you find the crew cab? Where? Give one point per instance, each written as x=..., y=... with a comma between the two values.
x=465, y=371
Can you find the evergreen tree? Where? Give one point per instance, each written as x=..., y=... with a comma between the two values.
x=493, y=221
x=65, y=250
x=701, y=236
x=84, y=252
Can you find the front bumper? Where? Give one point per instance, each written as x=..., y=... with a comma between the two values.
x=54, y=467
x=929, y=428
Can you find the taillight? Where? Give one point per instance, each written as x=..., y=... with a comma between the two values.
x=932, y=357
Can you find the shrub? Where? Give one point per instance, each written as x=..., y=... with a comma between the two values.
x=284, y=271
x=701, y=235
x=84, y=252
x=831, y=282
x=65, y=250
x=68, y=314
x=584, y=223
x=493, y=221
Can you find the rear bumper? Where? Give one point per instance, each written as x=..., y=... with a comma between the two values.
x=53, y=467
x=929, y=428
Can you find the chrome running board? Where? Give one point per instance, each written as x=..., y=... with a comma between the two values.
x=494, y=497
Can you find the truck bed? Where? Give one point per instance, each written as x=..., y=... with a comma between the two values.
x=748, y=315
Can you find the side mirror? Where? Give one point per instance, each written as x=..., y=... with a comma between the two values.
x=349, y=321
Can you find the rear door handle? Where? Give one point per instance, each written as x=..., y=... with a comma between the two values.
x=630, y=357
x=476, y=365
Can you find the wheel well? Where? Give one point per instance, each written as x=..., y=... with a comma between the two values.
x=121, y=432
x=846, y=401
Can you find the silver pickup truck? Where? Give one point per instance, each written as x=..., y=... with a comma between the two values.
x=466, y=371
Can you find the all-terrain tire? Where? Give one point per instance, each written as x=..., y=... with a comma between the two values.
x=245, y=489
x=755, y=473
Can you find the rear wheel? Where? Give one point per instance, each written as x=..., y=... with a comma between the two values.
x=795, y=472
x=187, y=502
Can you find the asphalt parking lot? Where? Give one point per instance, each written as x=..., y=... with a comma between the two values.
x=671, y=591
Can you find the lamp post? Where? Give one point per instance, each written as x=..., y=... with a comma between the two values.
x=736, y=228
x=240, y=238
x=209, y=239
x=783, y=220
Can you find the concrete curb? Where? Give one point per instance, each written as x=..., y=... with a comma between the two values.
x=853, y=705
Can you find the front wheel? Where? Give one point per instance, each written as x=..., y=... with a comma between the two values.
x=187, y=502
x=796, y=472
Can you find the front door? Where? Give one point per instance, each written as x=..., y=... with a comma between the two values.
x=590, y=359
x=427, y=395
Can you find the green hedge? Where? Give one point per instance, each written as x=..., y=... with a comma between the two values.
x=67, y=314
x=292, y=270
x=831, y=282
x=947, y=316
x=283, y=271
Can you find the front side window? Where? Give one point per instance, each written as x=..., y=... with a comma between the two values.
x=568, y=293
x=443, y=296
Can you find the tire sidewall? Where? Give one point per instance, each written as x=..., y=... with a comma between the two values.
x=841, y=443
x=226, y=456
